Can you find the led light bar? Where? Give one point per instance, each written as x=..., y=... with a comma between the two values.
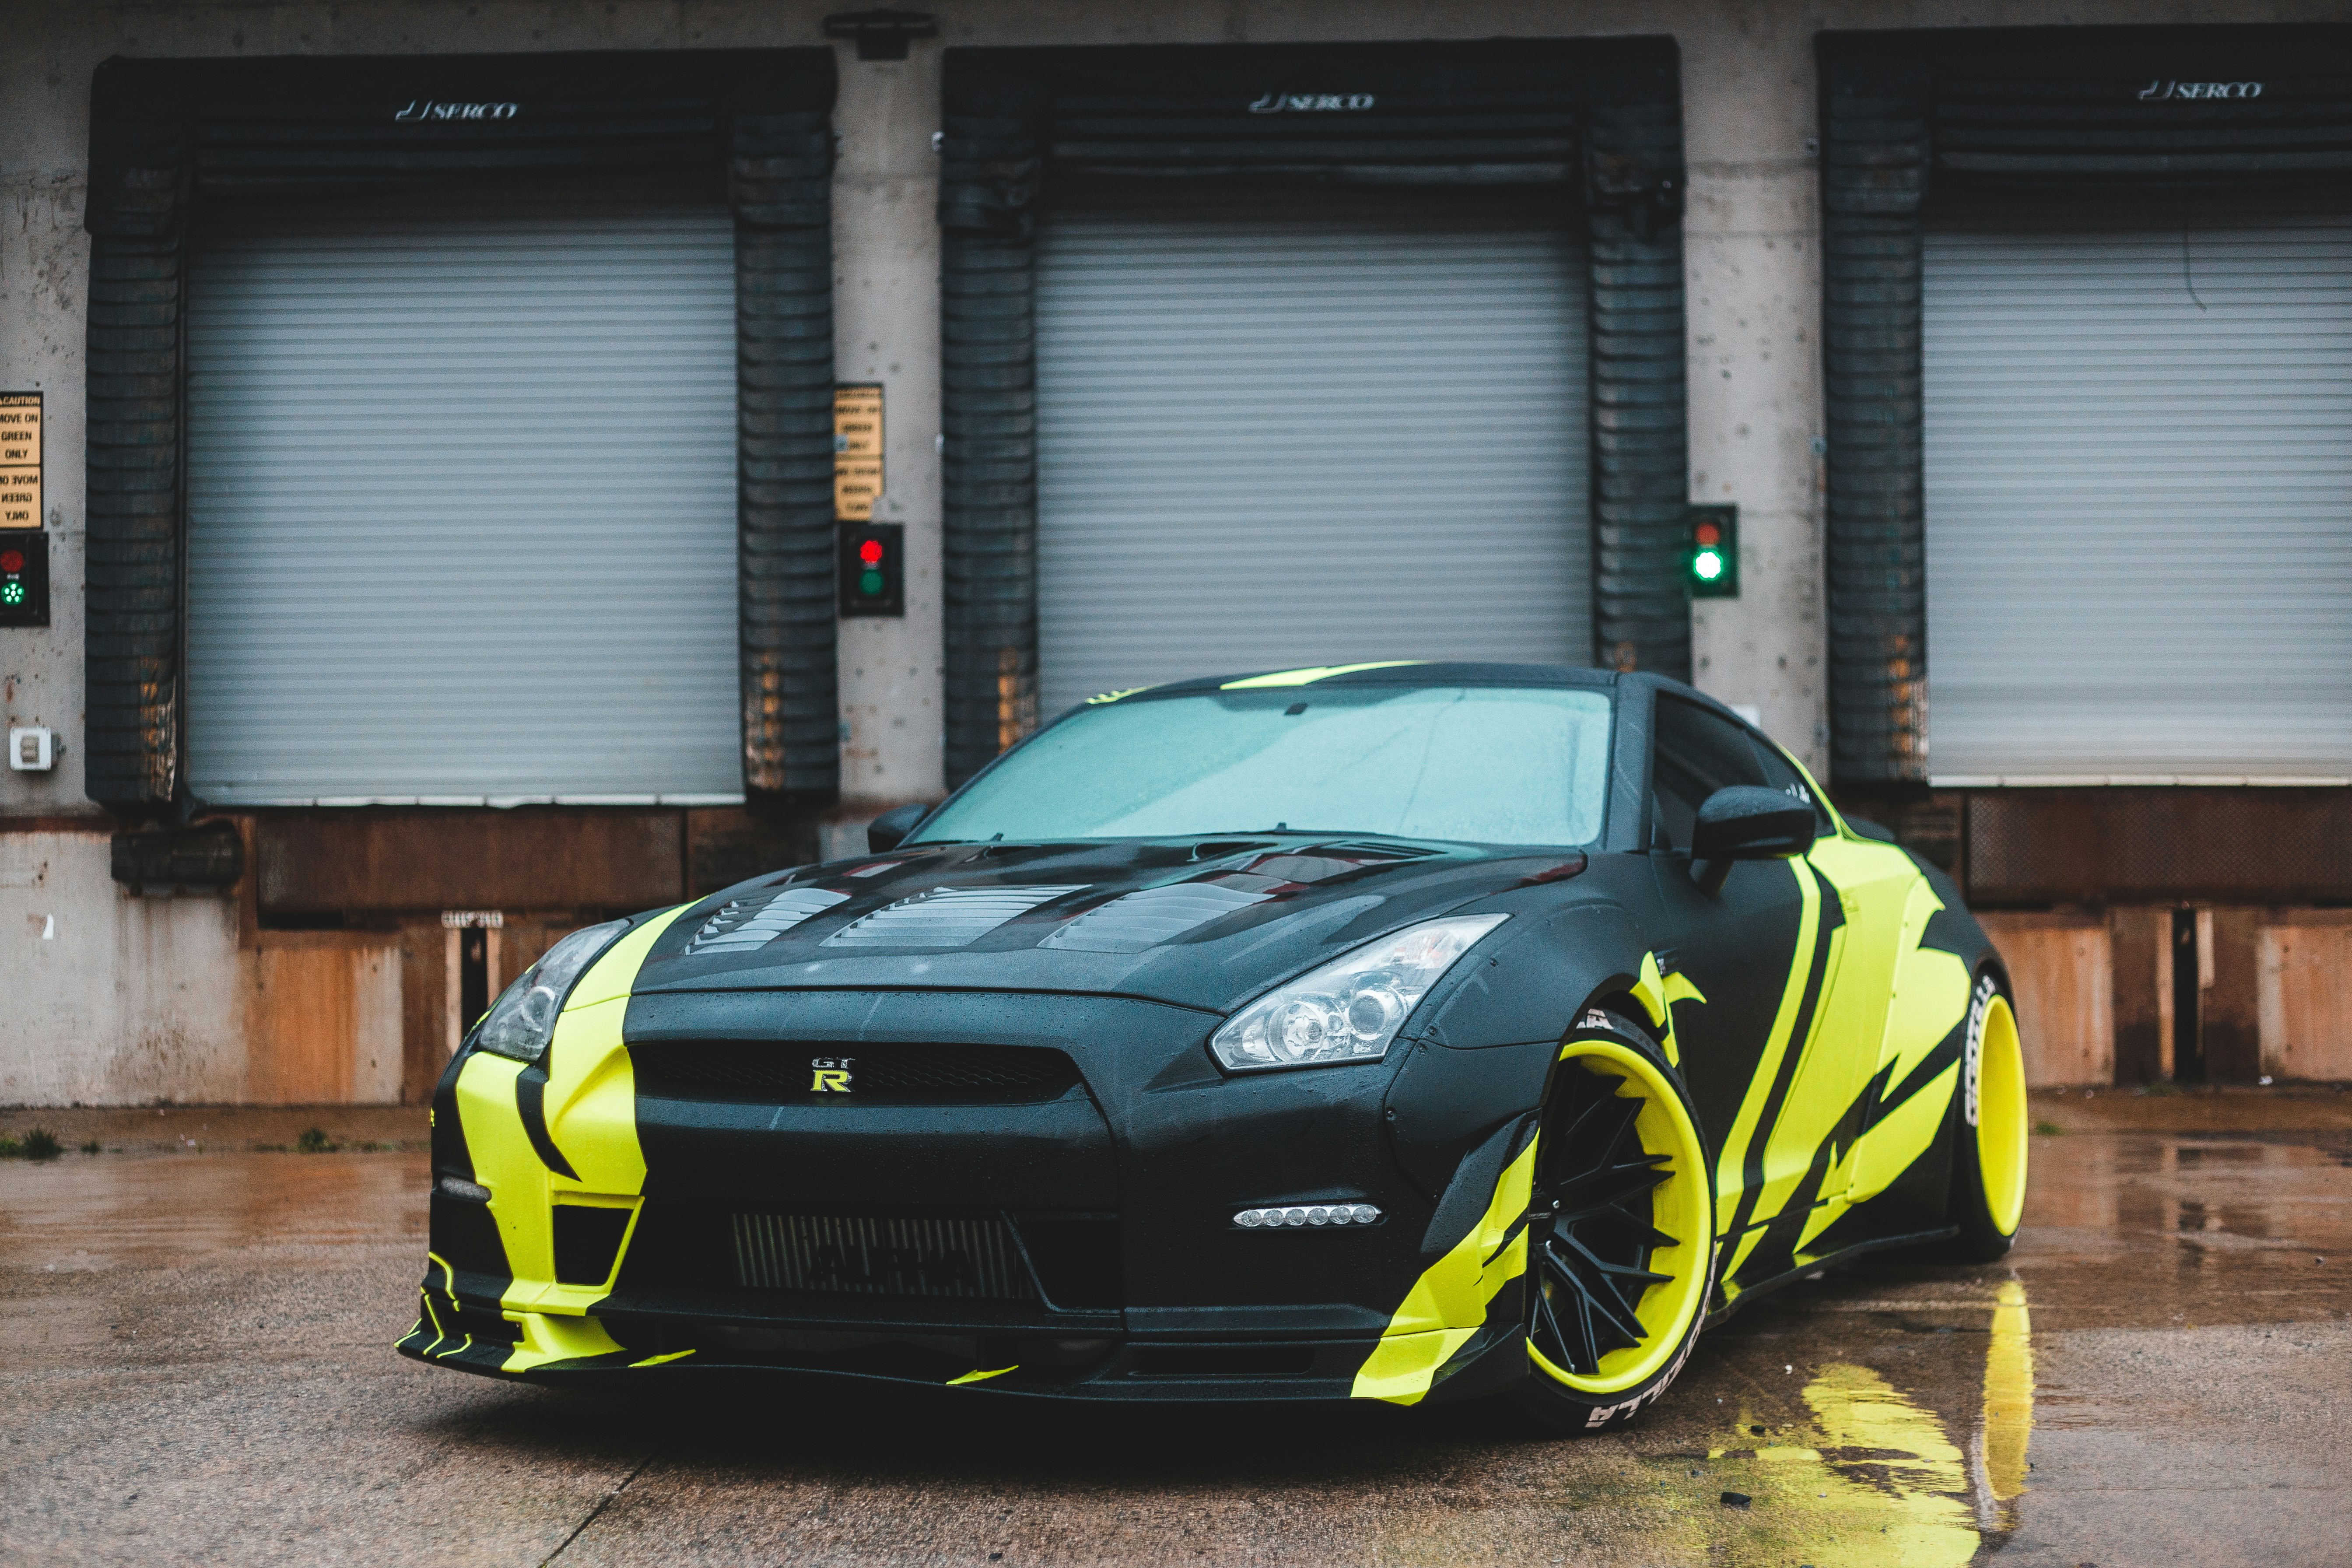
x=1310, y=1214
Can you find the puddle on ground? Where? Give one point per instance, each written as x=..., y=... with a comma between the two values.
x=1843, y=1467
x=87, y=1212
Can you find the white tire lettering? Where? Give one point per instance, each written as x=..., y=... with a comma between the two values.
x=1972, y=1058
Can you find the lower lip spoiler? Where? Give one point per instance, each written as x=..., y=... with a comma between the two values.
x=459, y=1331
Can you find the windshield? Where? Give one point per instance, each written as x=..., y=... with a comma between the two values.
x=1489, y=764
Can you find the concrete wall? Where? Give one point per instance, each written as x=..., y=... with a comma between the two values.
x=122, y=999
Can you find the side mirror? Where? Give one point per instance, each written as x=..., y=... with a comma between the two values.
x=1746, y=822
x=889, y=830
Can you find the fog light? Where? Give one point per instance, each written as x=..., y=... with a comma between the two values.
x=1308, y=1215
x=458, y=1187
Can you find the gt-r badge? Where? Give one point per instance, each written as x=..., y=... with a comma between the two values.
x=830, y=1075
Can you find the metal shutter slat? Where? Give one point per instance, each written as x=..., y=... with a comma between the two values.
x=2139, y=511
x=461, y=504
x=1307, y=427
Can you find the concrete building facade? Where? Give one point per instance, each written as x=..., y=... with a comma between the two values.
x=175, y=929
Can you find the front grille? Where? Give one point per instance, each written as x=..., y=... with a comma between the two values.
x=970, y=1259
x=771, y=1072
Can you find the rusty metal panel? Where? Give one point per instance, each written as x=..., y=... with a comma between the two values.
x=395, y=862
x=2061, y=977
x=323, y=1021
x=2229, y=1010
x=424, y=984
x=2138, y=940
x=2248, y=846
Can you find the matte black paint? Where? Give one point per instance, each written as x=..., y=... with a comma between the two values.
x=1157, y=1147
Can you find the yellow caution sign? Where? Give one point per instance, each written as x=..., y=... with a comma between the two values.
x=857, y=452
x=20, y=459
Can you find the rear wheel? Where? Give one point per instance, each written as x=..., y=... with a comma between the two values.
x=1620, y=1236
x=1989, y=1152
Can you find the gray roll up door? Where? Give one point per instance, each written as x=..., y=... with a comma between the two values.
x=2138, y=472
x=461, y=504
x=1293, y=427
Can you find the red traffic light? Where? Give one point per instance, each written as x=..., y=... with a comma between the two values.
x=1706, y=535
x=870, y=551
x=12, y=560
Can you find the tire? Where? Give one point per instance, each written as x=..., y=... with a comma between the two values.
x=1621, y=1234
x=1988, y=1135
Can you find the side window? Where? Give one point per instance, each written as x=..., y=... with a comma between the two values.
x=1782, y=775
x=1693, y=755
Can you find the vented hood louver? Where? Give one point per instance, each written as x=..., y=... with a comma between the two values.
x=945, y=917
x=1368, y=850
x=1147, y=918
x=745, y=923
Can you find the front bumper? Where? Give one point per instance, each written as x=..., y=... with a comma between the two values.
x=1118, y=1272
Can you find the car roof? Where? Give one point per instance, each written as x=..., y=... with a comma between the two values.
x=1385, y=672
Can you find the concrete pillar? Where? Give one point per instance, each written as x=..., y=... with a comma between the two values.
x=887, y=331
x=1754, y=287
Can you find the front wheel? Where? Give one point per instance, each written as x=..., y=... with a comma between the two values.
x=1621, y=1234
x=1988, y=1153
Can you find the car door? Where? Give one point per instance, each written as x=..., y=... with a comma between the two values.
x=1893, y=991
x=1774, y=1062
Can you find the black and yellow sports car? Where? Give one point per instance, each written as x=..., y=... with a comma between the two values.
x=1398, y=1032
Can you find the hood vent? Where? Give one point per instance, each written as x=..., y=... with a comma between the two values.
x=742, y=924
x=1365, y=849
x=1143, y=919
x=945, y=917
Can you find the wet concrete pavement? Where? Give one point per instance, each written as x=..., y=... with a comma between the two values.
x=194, y=1366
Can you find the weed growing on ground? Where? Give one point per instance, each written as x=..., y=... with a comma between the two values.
x=9, y=1148
x=90, y=1147
x=41, y=1143
x=2048, y=1129
x=314, y=1141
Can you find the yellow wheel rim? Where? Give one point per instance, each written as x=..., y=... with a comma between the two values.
x=1667, y=1288
x=2000, y=1116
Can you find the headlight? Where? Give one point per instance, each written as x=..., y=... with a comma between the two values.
x=1348, y=1010
x=522, y=1020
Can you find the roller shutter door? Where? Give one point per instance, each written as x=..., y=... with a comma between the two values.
x=2139, y=468
x=1295, y=428
x=461, y=504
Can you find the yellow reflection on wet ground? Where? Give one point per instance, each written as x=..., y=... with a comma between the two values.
x=2008, y=1426
x=1881, y=1479
x=1840, y=1463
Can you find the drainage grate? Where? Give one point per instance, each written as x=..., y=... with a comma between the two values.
x=972, y=1259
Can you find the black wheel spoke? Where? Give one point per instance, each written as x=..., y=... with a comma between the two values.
x=1595, y=1224
x=1599, y=1280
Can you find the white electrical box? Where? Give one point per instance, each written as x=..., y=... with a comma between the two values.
x=33, y=750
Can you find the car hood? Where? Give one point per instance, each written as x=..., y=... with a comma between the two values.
x=1197, y=923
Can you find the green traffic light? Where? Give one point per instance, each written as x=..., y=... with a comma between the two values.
x=1708, y=565
x=12, y=592
x=869, y=583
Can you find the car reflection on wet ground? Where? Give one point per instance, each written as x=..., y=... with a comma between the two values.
x=197, y=1368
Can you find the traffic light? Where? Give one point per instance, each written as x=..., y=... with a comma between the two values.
x=24, y=578
x=1711, y=565
x=873, y=568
